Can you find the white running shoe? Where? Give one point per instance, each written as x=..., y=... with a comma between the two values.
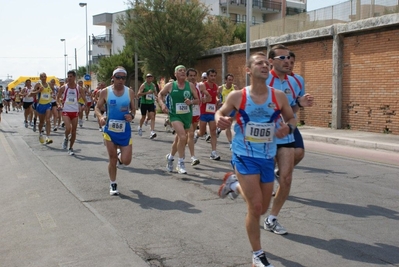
x=65, y=143
x=140, y=131
x=153, y=135
x=260, y=261
x=181, y=168
x=274, y=227
x=169, y=165
x=70, y=152
x=214, y=156
x=113, y=189
x=225, y=189
x=194, y=161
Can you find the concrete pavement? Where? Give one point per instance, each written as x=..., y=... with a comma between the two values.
x=38, y=231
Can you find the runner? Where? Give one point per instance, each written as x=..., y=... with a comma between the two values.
x=18, y=99
x=82, y=103
x=208, y=109
x=27, y=100
x=89, y=102
x=258, y=107
x=54, y=105
x=43, y=92
x=7, y=99
x=146, y=92
x=223, y=91
x=182, y=95
x=119, y=102
x=68, y=97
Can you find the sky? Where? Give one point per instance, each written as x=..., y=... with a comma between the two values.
x=31, y=33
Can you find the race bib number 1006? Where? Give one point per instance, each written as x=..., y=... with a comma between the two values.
x=259, y=132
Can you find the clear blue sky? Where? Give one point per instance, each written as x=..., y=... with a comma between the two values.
x=31, y=32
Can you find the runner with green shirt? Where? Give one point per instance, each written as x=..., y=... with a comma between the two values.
x=182, y=95
x=146, y=92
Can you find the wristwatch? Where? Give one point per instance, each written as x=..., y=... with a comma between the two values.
x=291, y=128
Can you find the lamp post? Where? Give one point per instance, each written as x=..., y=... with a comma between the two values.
x=87, y=44
x=65, y=57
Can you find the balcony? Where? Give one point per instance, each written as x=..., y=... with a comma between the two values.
x=266, y=6
x=102, y=40
x=96, y=59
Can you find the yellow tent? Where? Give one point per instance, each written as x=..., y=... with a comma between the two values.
x=22, y=79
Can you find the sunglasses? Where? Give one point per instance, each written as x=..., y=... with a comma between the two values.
x=120, y=77
x=282, y=57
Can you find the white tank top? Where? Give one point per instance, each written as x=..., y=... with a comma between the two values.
x=70, y=99
x=26, y=98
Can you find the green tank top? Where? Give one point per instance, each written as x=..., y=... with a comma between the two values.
x=177, y=97
x=149, y=98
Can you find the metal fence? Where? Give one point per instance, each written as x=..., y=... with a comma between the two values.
x=351, y=10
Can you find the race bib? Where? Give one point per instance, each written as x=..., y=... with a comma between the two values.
x=88, y=98
x=116, y=126
x=149, y=97
x=182, y=108
x=45, y=96
x=210, y=108
x=70, y=100
x=196, y=110
x=259, y=132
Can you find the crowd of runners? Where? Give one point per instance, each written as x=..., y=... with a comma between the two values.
x=265, y=143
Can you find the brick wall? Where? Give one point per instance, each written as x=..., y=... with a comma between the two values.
x=370, y=79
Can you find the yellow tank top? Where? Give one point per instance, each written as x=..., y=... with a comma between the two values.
x=45, y=95
x=226, y=91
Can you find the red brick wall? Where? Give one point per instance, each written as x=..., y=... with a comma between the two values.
x=371, y=82
x=370, y=79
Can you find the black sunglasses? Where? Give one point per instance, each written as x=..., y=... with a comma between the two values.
x=120, y=77
x=282, y=57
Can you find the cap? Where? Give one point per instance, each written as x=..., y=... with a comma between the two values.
x=149, y=75
x=204, y=75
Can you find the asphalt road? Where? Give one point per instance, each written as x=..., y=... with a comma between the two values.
x=57, y=211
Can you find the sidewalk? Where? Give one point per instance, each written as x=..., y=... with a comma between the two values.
x=388, y=142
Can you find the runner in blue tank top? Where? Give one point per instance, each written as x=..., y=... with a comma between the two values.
x=119, y=101
x=254, y=145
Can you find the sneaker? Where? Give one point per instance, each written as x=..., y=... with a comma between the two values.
x=276, y=174
x=195, y=137
x=140, y=131
x=70, y=152
x=233, y=195
x=218, y=131
x=145, y=122
x=34, y=127
x=169, y=165
x=26, y=124
x=173, y=131
x=153, y=135
x=113, y=189
x=48, y=141
x=230, y=146
x=225, y=189
x=63, y=124
x=41, y=139
x=31, y=124
x=260, y=261
x=87, y=118
x=194, y=161
x=214, y=156
x=55, y=129
x=80, y=123
x=208, y=138
x=100, y=129
x=118, y=152
x=274, y=227
x=181, y=168
x=65, y=143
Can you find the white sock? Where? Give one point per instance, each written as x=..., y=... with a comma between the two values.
x=181, y=160
x=170, y=157
x=112, y=182
x=257, y=253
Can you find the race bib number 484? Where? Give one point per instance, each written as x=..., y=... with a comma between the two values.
x=259, y=132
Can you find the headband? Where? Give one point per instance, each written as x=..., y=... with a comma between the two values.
x=119, y=70
x=179, y=67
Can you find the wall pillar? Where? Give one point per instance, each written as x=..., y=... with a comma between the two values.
x=337, y=59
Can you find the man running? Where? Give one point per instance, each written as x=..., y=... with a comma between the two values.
x=118, y=99
x=258, y=107
x=182, y=96
x=27, y=102
x=147, y=93
x=43, y=91
x=68, y=97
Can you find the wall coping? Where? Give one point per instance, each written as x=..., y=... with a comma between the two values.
x=329, y=31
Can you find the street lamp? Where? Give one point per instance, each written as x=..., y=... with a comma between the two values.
x=65, y=57
x=87, y=36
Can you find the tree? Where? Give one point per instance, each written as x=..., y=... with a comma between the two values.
x=166, y=33
x=107, y=65
x=240, y=33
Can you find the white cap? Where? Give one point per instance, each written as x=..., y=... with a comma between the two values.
x=204, y=75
